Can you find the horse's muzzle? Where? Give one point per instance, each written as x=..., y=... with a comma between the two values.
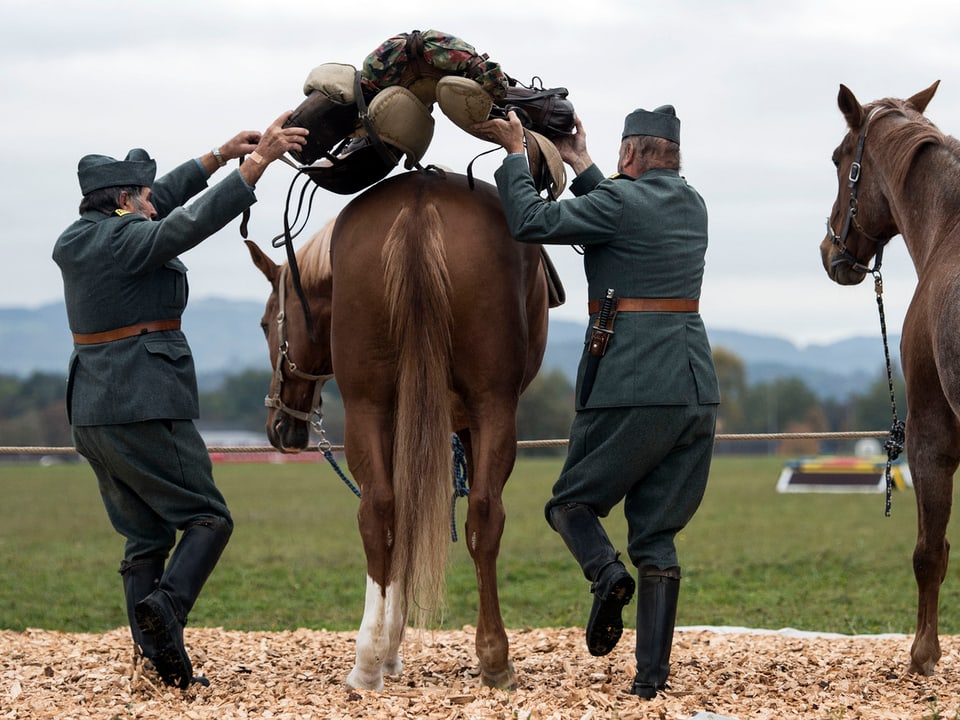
x=838, y=266
x=286, y=434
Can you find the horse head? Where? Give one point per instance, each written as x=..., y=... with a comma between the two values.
x=301, y=364
x=861, y=222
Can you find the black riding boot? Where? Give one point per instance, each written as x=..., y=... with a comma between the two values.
x=140, y=578
x=162, y=614
x=612, y=586
x=657, y=595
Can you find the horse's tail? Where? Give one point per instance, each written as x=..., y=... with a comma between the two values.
x=417, y=286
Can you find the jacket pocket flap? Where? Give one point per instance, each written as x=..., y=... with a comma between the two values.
x=173, y=349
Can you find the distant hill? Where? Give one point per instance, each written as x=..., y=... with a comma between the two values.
x=226, y=339
x=224, y=335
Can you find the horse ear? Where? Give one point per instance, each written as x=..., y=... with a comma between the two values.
x=920, y=101
x=850, y=107
x=267, y=266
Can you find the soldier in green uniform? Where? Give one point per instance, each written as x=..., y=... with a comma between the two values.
x=132, y=388
x=647, y=391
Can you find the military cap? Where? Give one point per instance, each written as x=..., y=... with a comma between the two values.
x=101, y=171
x=661, y=122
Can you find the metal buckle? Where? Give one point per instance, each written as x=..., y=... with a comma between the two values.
x=854, y=172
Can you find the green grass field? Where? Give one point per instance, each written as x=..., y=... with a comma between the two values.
x=751, y=557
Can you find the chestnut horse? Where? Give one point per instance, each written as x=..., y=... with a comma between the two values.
x=438, y=322
x=301, y=363
x=899, y=174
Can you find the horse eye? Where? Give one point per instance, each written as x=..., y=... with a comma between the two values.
x=264, y=327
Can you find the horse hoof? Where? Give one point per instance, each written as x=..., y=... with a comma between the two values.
x=364, y=681
x=394, y=666
x=505, y=680
x=925, y=668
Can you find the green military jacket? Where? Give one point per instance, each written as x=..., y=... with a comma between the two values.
x=644, y=238
x=123, y=270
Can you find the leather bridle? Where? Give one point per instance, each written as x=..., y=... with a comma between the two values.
x=895, y=440
x=840, y=241
x=314, y=416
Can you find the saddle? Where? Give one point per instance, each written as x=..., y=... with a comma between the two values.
x=363, y=122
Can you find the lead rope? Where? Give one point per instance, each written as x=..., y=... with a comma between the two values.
x=460, y=488
x=324, y=446
x=895, y=440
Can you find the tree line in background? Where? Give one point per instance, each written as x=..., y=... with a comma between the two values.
x=33, y=413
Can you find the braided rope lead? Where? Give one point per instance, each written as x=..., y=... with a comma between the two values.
x=326, y=448
x=328, y=454
x=460, y=487
x=895, y=440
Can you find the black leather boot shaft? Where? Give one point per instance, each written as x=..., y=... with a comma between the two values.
x=585, y=537
x=140, y=578
x=162, y=614
x=194, y=558
x=657, y=597
x=612, y=586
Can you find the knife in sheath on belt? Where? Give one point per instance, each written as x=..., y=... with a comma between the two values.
x=602, y=332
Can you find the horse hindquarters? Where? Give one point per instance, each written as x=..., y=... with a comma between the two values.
x=393, y=363
x=932, y=373
x=437, y=334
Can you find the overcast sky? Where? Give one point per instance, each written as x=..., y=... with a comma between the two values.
x=754, y=83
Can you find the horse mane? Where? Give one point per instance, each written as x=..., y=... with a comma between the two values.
x=904, y=141
x=313, y=259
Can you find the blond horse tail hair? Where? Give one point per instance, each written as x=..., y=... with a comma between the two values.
x=417, y=286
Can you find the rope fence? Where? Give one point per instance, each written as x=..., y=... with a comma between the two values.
x=522, y=444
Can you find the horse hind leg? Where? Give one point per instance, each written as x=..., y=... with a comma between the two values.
x=384, y=611
x=933, y=483
x=930, y=558
x=929, y=567
x=378, y=642
x=484, y=530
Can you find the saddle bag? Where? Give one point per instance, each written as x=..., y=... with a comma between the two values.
x=544, y=110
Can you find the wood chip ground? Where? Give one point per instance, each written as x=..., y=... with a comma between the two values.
x=298, y=675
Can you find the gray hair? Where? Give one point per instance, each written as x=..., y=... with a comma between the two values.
x=655, y=152
x=106, y=200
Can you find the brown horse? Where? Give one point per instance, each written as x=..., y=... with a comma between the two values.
x=438, y=322
x=899, y=174
x=301, y=364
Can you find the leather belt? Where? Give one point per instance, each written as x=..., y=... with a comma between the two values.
x=125, y=332
x=650, y=305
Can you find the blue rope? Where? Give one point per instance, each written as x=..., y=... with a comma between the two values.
x=328, y=454
x=460, y=487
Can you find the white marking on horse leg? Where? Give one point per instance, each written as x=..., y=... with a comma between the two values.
x=378, y=642
x=396, y=620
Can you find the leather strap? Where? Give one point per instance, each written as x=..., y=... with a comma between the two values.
x=125, y=332
x=650, y=305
